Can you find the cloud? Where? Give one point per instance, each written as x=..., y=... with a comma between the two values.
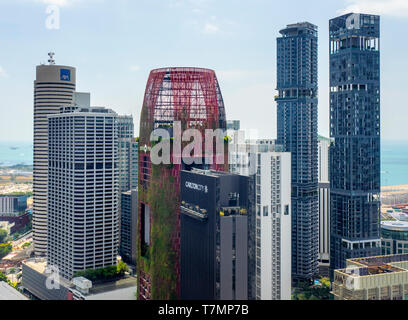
x=3, y=72
x=397, y=8
x=210, y=28
x=134, y=68
x=60, y=3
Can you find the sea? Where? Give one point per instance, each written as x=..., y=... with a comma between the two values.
x=394, y=159
x=13, y=153
x=394, y=163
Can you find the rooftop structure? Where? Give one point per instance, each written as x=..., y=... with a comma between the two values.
x=35, y=281
x=372, y=278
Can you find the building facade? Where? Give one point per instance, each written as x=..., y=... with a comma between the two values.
x=269, y=170
x=54, y=87
x=176, y=99
x=355, y=127
x=82, y=189
x=372, y=278
x=297, y=133
x=324, y=205
x=214, y=236
x=394, y=237
x=128, y=152
x=11, y=205
x=128, y=226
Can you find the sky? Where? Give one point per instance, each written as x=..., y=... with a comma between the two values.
x=115, y=43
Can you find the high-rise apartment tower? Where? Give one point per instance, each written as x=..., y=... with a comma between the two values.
x=355, y=127
x=297, y=133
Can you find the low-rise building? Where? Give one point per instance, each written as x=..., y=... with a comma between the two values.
x=7, y=292
x=44, y=283
x=394, y=237
x=12, y=205
x=372, y=278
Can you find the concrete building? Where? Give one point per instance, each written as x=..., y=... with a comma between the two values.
x=270, y=169
x=7, y=226
x=233, y=124
x=83, y=208
x=7, y=292
x=18, y=222
x=355, y=156
x=128, y=168
x=128, y=227
x=11, y=205
x=394, y=237
x=297, y=133
x=127, y=152
x=214, y=235
x=54, y=87
x=41, y=283
x=273, y=226
x=372, y=278
x=324, y=205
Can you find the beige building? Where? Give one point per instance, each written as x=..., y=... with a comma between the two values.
x=54, y=87
x=372, y=278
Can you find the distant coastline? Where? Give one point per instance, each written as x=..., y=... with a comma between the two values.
x=394, y=159
x=16, y=153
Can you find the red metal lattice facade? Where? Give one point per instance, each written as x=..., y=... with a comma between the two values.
x=193, y=97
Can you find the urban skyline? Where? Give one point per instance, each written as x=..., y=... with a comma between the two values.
x=182, y=202
x=244, y=59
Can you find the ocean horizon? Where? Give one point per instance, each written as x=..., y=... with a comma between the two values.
x=394, y=159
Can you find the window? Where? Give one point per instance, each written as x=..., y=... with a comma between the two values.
x=265, y=211
x=286, y=210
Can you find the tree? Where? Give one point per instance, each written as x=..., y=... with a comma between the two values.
x=5, y=249
x=3, y=277
x=122, y=268
x=3, y=235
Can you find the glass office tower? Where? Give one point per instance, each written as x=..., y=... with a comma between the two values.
x=355, y=127
x=297, y=133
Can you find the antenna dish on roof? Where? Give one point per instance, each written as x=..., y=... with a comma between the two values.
x=51, y=59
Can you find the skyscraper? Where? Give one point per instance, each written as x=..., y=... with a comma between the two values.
x=214, y=235
x=83, y=217
x=355, y=127
x=127, y=151
x=128, y=226
x=128, y=173
x=269, y=170
x=297, y=133
x=324, y=206
x=54, y=87
x=192, y=98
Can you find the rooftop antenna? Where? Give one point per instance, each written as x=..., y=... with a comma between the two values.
x=51, y=59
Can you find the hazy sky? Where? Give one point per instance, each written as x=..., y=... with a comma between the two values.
x=115, y=43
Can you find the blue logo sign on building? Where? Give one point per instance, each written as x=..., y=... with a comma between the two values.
x=65, y=75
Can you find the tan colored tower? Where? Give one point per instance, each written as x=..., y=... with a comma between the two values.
x=54, y=87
